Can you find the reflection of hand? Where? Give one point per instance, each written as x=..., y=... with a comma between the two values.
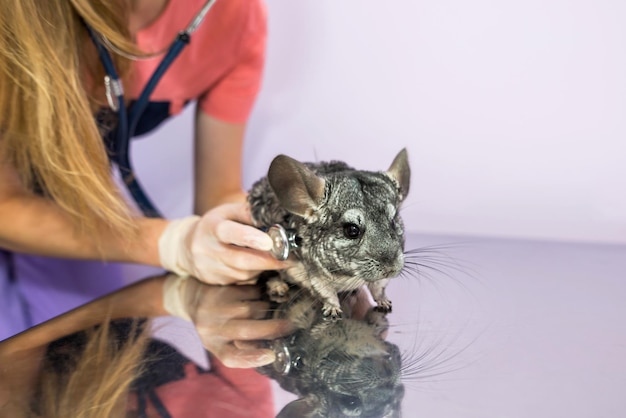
x=218, y=248
x=358, y=304
x=228, y=319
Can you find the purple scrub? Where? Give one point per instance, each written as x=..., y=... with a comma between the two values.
x=13, y=312
x=41, y=288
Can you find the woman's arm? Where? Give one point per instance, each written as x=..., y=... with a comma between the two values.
x=143, y=299
x=36, y=225
x=227, y=318
x=218, y=151
x=223, y=112
x=220, y=247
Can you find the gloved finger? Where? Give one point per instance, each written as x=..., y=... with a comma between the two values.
x=224, y=275
x=231, y=223
x=247, y=310
x=250, y=345
x=232, y=232
x=250, y=329
x=233, y=264
x=246, y=282
x=240, y=258
x=240, y=293
x=234, y=357
x=239, y=212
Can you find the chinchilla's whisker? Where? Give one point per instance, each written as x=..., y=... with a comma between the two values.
x=417, y=271
x=428, y=267
x=400, y=328
x=443, y=263
x=436, y=361
x=432, y=267
x=406, y=205
x=436, y=260
x=441, y=253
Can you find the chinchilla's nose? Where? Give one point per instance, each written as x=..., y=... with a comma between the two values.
x=392, y=261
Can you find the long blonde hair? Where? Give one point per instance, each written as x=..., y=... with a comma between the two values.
x=95, y=381
x=50, y=81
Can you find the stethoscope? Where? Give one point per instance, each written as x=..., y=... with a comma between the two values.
x=284, y=240
x=127, y=122
x=286, y=359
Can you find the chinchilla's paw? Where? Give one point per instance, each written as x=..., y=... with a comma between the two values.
x=332, y=313
x=383, y=305
x=278, y=291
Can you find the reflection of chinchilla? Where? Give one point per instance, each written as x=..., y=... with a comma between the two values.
x=338, y=368
x=347, y=225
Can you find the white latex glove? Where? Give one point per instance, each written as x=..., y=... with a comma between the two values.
x=174, y=297
x=230, y=320
x=218, y=248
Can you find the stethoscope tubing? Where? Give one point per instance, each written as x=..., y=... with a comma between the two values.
x=125, y=133
x=124, y=129
x=129, y=118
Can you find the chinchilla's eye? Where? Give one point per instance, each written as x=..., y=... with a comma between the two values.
x=351, y=231
x=350, y=405
x=297, y=363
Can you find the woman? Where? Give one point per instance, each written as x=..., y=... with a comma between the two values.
x=57, y=197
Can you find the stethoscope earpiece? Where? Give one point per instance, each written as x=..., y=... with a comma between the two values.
x=283, y=241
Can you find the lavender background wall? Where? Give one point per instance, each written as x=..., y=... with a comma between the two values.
x=513, y=112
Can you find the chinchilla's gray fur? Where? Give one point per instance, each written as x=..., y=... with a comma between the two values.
x=347, y=222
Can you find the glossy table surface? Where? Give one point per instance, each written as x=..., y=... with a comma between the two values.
x=509, y=329
x=495, y=328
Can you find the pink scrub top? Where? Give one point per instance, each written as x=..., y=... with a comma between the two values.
x=221, y=69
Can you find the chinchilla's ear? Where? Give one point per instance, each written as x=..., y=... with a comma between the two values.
x=298, y=189
x=400, y=172
x=299, y=408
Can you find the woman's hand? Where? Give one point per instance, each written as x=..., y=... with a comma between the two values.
x=221, y=247
x=229, y=319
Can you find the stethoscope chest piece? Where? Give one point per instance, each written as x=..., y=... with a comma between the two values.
x=282, y=364
x=283, y=241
